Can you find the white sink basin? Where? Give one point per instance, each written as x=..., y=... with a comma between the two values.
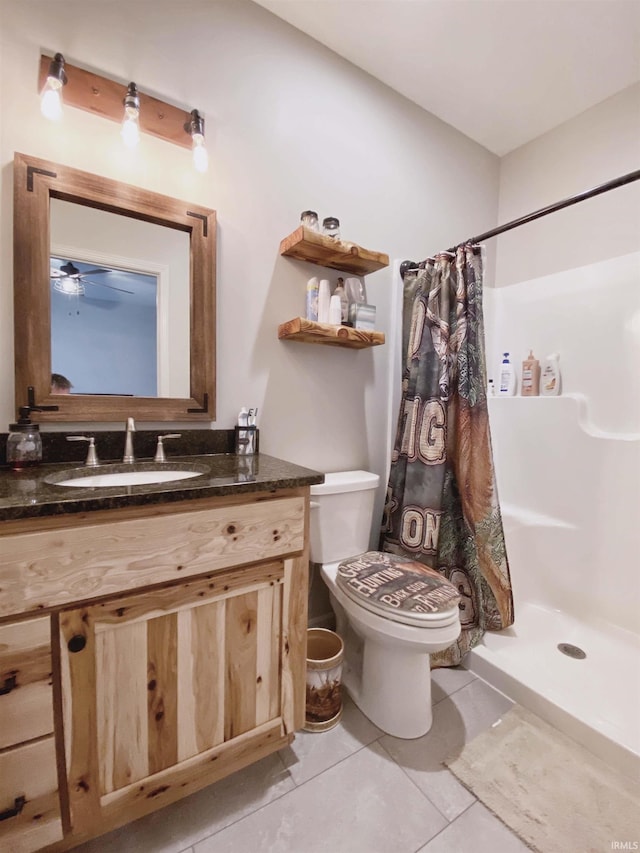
x=127, y=478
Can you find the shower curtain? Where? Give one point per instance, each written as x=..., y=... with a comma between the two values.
x=441, y=506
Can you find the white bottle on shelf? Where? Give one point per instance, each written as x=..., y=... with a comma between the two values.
x=508, y=380
x=335, y=310
x=550, y=379
x=324, y=300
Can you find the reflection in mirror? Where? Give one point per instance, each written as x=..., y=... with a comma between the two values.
x=135, y=276
x=98, y=310
x=114, y=289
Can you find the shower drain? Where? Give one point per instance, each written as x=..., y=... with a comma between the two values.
x=572, y=651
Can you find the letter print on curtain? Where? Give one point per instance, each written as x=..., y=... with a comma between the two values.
x=442, y=505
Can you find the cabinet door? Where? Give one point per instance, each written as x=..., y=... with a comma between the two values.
x=168, y=690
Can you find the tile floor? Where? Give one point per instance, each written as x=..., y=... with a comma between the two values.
x=352, y=789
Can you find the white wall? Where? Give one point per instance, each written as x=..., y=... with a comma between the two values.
x=289, y=126
x=568, y=468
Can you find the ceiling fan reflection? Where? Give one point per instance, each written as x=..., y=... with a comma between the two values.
x=68, y=279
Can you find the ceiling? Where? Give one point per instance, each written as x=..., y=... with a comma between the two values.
x=500, y=71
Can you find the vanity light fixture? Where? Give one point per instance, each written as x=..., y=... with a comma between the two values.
x=130, y=126
x=196, y=128
x=102, y=96
x=51, y=100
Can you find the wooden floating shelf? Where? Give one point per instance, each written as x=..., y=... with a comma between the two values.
x=306, y=245
x=308, y=332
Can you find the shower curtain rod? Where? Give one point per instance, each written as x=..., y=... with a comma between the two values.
x=551, y=208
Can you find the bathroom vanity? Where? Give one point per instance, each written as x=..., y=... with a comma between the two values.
x=152, y=640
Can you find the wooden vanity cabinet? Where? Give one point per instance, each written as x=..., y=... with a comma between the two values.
x=162, y=689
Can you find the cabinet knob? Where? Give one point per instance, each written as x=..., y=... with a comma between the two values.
x=77, y=643
x=18, y=805
x=10, y=684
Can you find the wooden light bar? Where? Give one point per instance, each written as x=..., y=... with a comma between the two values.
x=101, y=96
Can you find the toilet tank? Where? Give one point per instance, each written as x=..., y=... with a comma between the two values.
x=341, y=515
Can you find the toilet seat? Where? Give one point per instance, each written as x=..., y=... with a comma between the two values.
x=398, y=589
x=417, y=620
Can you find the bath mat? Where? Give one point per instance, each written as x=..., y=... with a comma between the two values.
x=553, y=793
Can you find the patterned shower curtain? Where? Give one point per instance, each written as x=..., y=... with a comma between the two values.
x=441, y=506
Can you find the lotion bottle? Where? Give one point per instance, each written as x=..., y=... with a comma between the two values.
x=507, y=386
x=530, y=376
x=550, y=382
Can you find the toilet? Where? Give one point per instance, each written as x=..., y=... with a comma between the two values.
x=391, y=612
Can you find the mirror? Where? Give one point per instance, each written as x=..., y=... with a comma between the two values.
x=114, y=288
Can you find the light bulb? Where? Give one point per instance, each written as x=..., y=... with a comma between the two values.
x=51, y=101
x=200, y=156
x=130, y=131
x=130, y=126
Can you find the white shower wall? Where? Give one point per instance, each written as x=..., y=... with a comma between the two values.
x=568, y=467
x=570, y=283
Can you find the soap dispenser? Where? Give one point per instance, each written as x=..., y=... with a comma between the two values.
x=24, y=444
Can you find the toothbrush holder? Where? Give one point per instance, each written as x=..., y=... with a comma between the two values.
x=247, y=440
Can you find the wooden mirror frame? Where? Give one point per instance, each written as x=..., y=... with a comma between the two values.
x=35, y=183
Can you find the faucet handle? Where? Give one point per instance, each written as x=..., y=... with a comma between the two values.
x=160, y=454
x=92, y=456
x=131, y=425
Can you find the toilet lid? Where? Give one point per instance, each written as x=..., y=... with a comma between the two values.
x=397, y=587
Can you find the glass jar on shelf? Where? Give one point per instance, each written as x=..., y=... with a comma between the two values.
x=331, y=227
x=309, y=218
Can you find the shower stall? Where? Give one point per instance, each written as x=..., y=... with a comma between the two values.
x=568, y=479
x=568, y=474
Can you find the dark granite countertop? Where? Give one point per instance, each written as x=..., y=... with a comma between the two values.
x=32, y=493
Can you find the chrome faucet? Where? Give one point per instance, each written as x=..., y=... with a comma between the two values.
x=128, y=442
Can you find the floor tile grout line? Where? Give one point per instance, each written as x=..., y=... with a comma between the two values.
x=331, y=766
x=296, y=786
x=240, y=819
x=425, y=795
x=449, y=823
x=457, y=690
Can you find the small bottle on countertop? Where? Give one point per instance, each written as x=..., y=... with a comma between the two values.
x=550, y=381
x=530, y=376
x=508, y=380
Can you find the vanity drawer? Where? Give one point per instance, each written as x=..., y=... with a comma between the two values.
x=26, y=694
x=55, y=567
x=29, y=802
